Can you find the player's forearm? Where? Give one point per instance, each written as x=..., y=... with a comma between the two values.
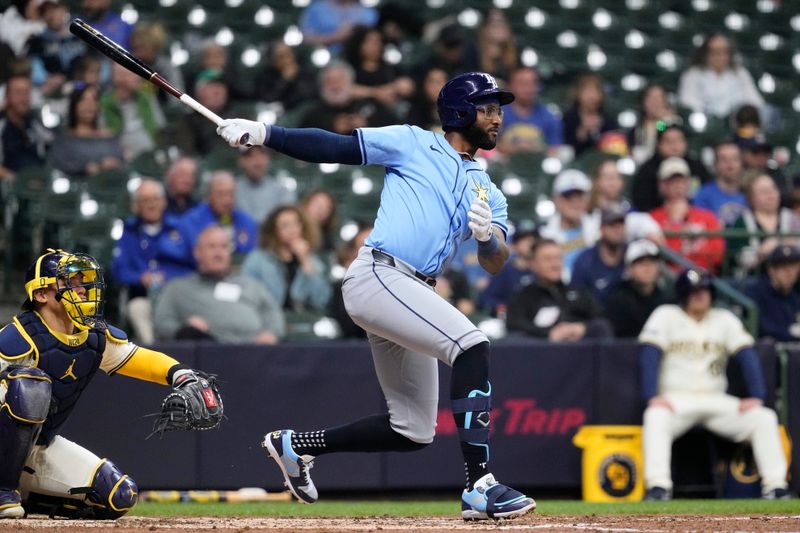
x=149, y=365
x=315, y=145
x=493, y=254
x=752, y=373
x=649, y=360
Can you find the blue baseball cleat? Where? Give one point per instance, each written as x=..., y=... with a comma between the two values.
x=490, y=499
x=10, y=506
x=295, y=468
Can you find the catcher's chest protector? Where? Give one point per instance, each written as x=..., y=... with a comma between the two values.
x=70, y=367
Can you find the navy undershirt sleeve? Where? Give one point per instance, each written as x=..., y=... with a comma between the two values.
x=649, y=360
x=752, y=372
x=315, y=145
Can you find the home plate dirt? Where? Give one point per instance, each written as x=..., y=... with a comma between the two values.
x=615, y=523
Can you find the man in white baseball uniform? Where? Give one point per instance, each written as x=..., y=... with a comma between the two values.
x=683, y=362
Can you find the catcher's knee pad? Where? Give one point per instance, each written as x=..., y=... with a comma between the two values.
x=112, y=493
x=25, y=395
x=476, y=409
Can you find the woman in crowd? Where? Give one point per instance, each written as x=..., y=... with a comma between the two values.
x=284, y=78
x=285, y=261
x=587, y=120
x=320, y=207
x=654, y=110
x=764, y=215
x=608, y=187
x=84, y=148
x=375, y=78
x=716, y=83
x=424, y=111
x=497, y=49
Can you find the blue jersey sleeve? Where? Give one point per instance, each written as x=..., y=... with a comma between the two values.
x=389, y=146
x=499, y=205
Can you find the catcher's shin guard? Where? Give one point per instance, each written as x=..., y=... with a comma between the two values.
x=24, y=404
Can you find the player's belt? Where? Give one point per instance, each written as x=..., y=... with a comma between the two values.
x=386, y=259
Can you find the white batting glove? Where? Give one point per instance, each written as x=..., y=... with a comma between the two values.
x=240, y=132
x=480, y=220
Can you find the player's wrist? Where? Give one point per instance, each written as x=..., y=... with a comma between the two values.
x=490, y=246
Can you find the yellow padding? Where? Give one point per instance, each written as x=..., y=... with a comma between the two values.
x=148, y=365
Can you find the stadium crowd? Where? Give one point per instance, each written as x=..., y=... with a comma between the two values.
x=207, y=233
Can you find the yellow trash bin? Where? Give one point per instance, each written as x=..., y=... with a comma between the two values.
x=612, y=463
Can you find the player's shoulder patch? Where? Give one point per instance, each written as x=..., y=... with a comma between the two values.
x=13, y=344
x=116, y=335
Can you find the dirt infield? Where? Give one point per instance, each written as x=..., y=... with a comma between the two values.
x=614, y=523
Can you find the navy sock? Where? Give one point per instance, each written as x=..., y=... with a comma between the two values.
x=471, y=373
x=370, y=434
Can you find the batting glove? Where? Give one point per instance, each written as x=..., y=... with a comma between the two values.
x=480, y=220
x=240, y=132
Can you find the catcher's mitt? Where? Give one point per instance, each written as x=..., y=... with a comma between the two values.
x=194, y=403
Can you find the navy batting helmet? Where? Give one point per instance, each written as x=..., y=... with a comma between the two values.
x=458, y=97
x=690, y=280
x=61, y=268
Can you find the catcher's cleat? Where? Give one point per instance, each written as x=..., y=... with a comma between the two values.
x=295, y=468
x=10, y=506
x=490, y=499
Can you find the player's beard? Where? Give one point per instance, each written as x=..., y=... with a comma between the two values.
x=479, y=137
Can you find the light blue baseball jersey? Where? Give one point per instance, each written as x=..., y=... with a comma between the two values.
x=426, y=196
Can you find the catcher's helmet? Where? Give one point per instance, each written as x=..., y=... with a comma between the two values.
x=690, y=280
x=60, y=268
x=456, y=103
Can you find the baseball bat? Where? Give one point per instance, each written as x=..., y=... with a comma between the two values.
x=123, y=57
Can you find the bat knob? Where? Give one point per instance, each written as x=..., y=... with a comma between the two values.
x=244, y=140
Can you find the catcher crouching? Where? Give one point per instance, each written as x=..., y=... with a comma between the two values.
x=48, y=355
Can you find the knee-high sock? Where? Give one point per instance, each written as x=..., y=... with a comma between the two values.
x=470, y=395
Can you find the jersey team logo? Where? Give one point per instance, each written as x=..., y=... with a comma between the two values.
x=480, y=190
x=617, y=475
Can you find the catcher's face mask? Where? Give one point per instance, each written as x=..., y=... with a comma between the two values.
x=79, y=285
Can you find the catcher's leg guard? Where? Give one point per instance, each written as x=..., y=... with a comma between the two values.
x=24, y=404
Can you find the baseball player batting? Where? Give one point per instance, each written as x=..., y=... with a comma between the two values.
x=435, y=197
x=48, y=355
x=683, y=363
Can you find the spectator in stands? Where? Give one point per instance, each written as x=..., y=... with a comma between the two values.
x=757, y=157
x=98, y=13
x=655, y=112
x=587, y=120
x=88, y=71
x=723, y=195
x=345, y=255
x=180, y=181
x=716, y=83
x=150, y=252
x=497, y=47
x=148, y=41
x=84, y=148
x=215, y=64
x=284, y=78
x=338, y=110
x=608, y=187
x=776, y=296
x=678, y=214
x=548, y=309
x=285, y=262
x=572, y=227
x=132, y=112
x=220, y=209
x=424, y=111
x=528, y=126
x=55, y=51
x=641, y=290
x=670, y=142
x=332, y=22
x=764, y=215
x=599, y=268
x=375, y=78
x=195, y=134
x=7, y=63
x=514, y=273
x=19, y=22
x=214, y=303
x=258, y=193
x=320, y=207
x=23, y=138
x=451, y=51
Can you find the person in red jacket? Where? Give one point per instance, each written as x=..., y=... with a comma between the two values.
x=678, y=214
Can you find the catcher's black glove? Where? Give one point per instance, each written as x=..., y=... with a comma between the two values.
x=194, y=403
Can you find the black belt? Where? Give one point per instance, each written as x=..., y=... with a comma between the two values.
x=386, y=259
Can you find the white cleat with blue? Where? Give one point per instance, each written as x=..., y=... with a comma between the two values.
x=489, y=499
x=295, y=468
